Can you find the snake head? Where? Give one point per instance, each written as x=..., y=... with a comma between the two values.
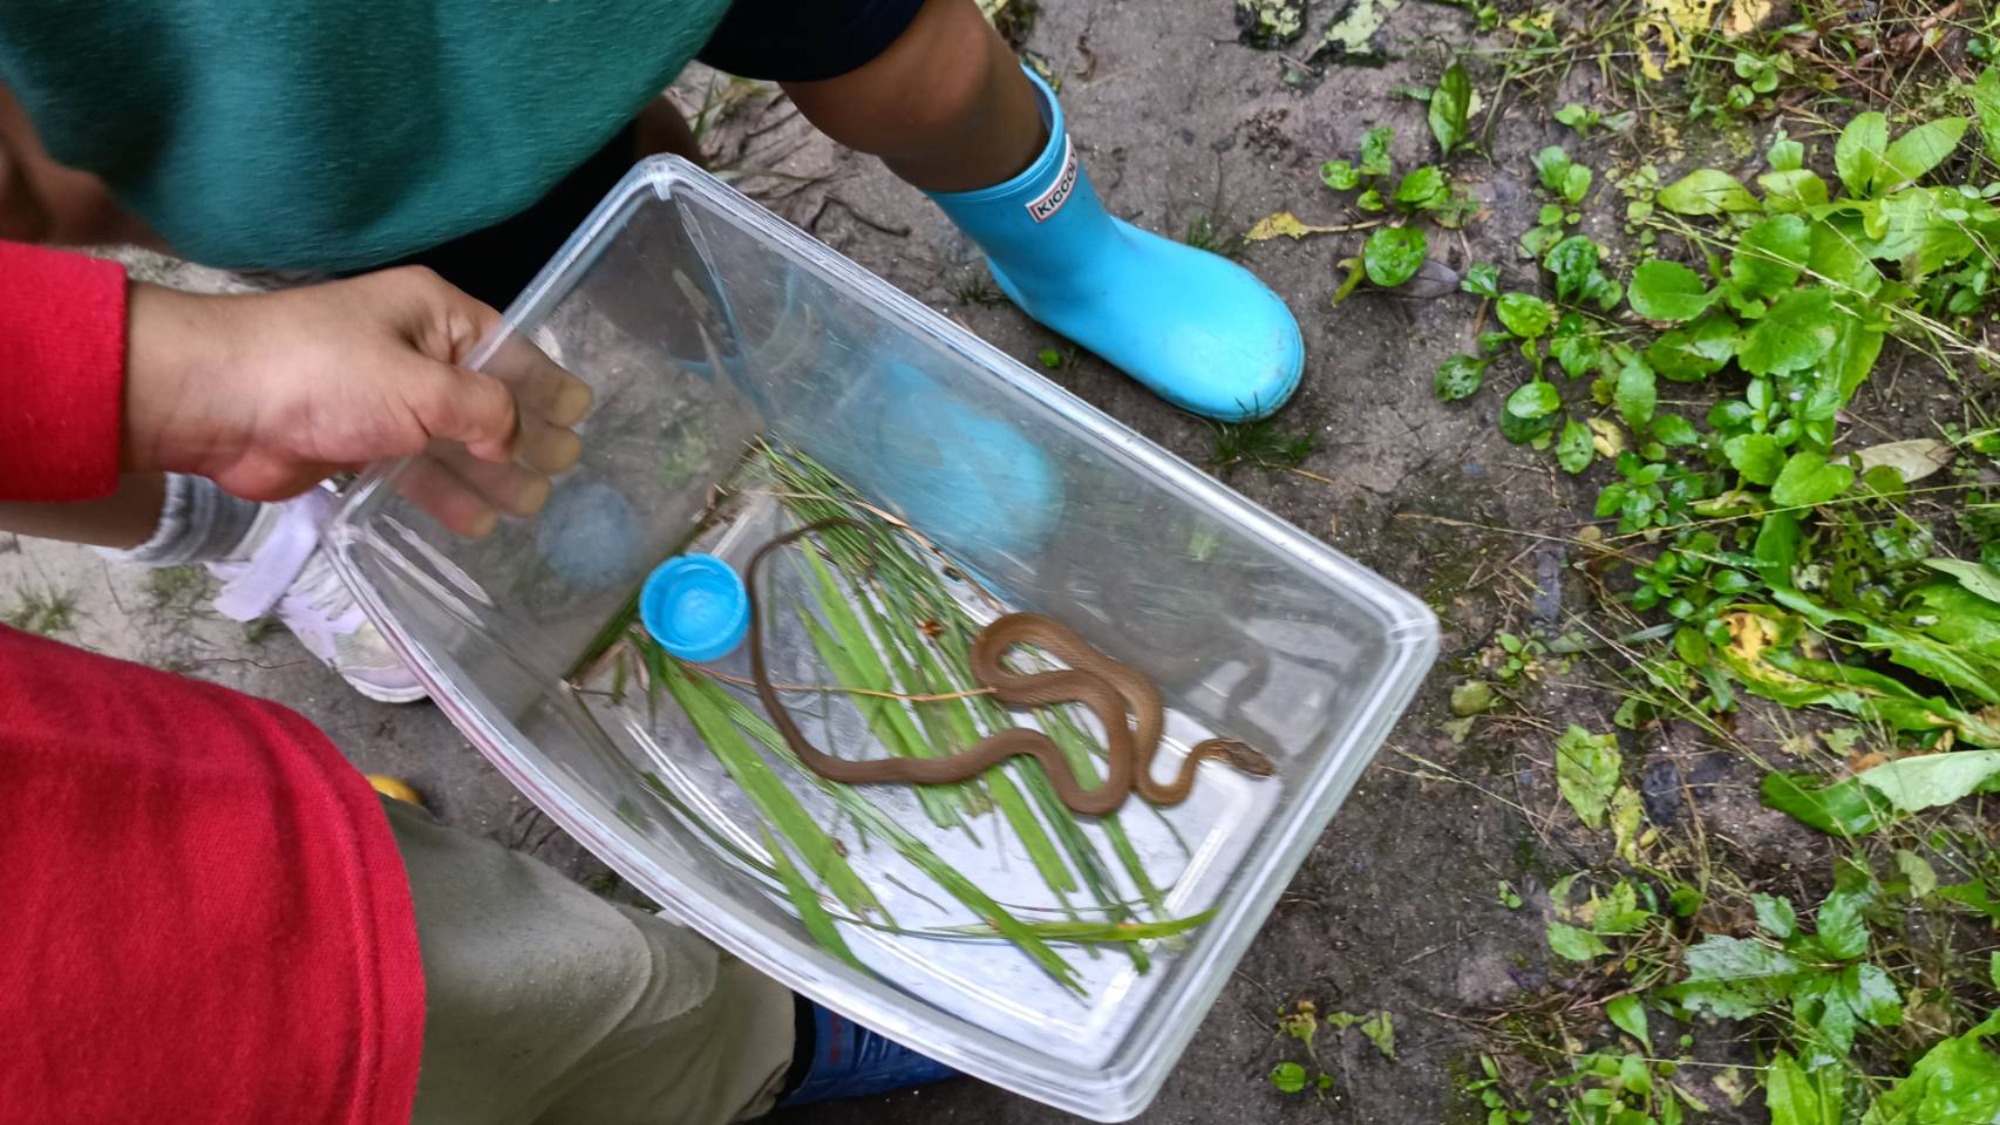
x=1247, y=760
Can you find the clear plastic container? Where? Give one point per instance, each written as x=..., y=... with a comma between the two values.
x=702, y=322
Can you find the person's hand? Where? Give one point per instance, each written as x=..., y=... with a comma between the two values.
x=270, y=394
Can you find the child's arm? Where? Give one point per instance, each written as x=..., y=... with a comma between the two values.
x=265, y=394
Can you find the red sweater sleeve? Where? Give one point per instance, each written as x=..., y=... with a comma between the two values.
x=204, y=916
x=62, y=374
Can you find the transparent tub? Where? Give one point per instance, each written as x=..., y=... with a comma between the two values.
x=703, y=323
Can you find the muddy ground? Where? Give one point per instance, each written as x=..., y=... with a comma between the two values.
x=1180, y=124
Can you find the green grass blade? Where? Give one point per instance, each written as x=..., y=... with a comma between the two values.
x=1078, y=748
x=876, y=712
x=949, y=724
x=779, y=806
x=1100, y=932
x=806, y=900
x=916, y=851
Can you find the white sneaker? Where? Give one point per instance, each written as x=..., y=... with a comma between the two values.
x=281, y=565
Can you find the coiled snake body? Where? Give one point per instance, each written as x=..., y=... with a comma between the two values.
x=1108, y=688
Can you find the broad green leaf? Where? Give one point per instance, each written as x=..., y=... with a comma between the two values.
x=1800, y=328
x=1850, y=360
x=1821, y=1010
x=1628, y=1014
x=1963, y=619
x=1973, y=895
x=1380, y=1029
x=1573, y=943
x=1794, y=191
x=1857, y=157
x=1957, y=1081
x=1775, y=915
x=1574, y=451
x=1482, y=280
x=1637, y=395
x=1843, y=808
x=1917, y=152
x=1839, y=257
x=1522, y=431
x=1450, y=102
x=1777, y=548
x=1663, y=290
x=1985, y=94
x=1736, y=978
x=1375, y=151
x=1393, y=255
x=1932, y=781
x=1538, y=399
x=1572, y=261
x=1524, y=314
x=1459, y=377
x=1923, y=229
x=1576, y=352
x=1808, y=479
x=1841, y=929
x=1758, y=457
x=1340, y=175
x=1918, y=870
x=1672, y=429
x=1587, y=772
x=1785, y=154
x=1868, y=991
x=1693, y=353
x=1288, y=1077
x=1770, y=256
x=1795, y=1096
x=1708, y=191
x=1617, y=911
x=1422, y=187
x=1568, y=180
x=1976, y=577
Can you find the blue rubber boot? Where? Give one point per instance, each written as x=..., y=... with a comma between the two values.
x=850, y=1061
x=1198, y=330
x=968, y=480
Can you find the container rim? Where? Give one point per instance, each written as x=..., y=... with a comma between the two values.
x=1138, y=1068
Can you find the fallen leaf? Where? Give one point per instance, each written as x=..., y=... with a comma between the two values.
x=1744, y=17
x=1353, y=37
x=1289, y=225
x=1676, y=23
x=1912, y=460
x=1863, y=762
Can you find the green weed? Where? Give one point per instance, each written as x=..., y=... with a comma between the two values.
x=1262, y=444
x=45, y=614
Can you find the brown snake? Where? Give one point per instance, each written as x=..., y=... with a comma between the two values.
x=1092, y=678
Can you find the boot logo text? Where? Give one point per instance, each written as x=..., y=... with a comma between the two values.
x=1044, y=206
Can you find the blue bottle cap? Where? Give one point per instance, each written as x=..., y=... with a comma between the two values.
x=696, y=607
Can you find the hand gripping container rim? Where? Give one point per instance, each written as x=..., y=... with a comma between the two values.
x=1136, y=1073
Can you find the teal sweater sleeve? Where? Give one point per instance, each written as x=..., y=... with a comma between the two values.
x=336, y=134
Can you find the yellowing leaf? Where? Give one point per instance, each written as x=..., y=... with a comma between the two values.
x=1287, y=224
x=1747, y=636
x=1676, y=23
x=1606, y=437
x=1744, y=17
